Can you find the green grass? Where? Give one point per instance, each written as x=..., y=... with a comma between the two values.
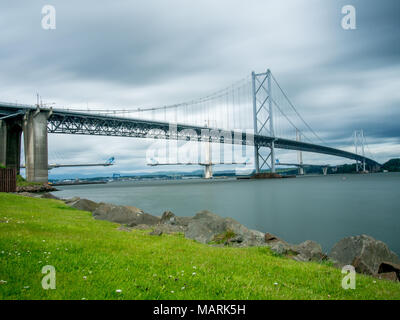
x=21, y=182
x=39, y=232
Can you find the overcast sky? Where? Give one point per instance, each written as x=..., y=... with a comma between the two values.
x=148, y=53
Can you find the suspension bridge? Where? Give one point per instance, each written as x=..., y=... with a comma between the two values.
x=253, y=112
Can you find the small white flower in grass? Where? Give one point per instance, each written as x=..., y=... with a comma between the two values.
x=118, y=291
x=374, y=281
x=44, y=240
x=183, y=288
x=84, y=277
x=83, y=298
x=3, y=281
x=26, y=287
x=194, y=273
x=194, y=267
x=275, y=283
x=172, y=291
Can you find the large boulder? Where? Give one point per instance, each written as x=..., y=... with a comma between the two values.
x=365, y=253
x=305, y=251
x=170, y=218
x=129, y=215
x=71, y=200
x=390, y=271
x=309, y=251
x=48, y=195
x=84, y=205
x=206, y=227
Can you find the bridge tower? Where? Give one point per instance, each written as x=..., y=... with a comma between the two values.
x=359, y=143
x=208, y=161
x=263, y=117
x=10, y=142
x=35, y=145
x=299, y=154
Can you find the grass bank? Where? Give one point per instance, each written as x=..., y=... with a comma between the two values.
x=93, y=259
x=21, y=182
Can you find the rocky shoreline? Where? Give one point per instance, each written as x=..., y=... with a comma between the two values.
x=36, y=188
x=367, y=255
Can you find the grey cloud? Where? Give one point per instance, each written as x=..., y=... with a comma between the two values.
x=150, y=53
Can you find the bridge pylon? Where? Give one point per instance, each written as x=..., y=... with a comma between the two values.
x=36, y=145
x=299, y=154
x=359, y=141
x=263, y=118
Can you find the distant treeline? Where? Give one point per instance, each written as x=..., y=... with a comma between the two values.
x=393, y=165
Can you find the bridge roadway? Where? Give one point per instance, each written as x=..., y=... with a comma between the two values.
x=73, y=122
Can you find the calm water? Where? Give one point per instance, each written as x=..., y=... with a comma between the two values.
x=324, y=209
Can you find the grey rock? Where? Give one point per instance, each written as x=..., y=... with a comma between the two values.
x=141, y=227
x=205, y=226
x=84, y=205
x=131, y=216
x=48, y=195
x=169, y=229
x=363, y=252
x=29, y=194
x=124, y=228
x=301, y=258
x=236, y=239
x=170, y=218
x=310, y=251
x=156, y=232
x=269, y=237
x=388, y=267
x=305, y=251
x=280, y=247
x=70, y=200
x=392, y=276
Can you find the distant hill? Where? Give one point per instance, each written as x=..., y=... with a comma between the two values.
x=393, y=165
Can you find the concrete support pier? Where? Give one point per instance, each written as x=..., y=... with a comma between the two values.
x=35, y=145
x=10, y=143
x=208, y=161
x=208, y=171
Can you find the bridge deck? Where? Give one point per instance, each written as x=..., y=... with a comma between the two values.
x=73, y=122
